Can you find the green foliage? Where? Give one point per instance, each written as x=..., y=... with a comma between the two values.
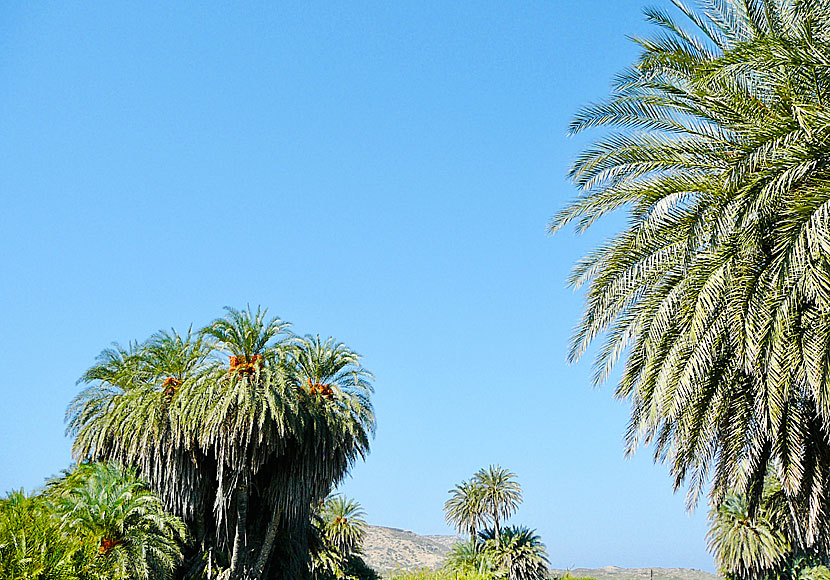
x=470, y=557
x=113, y=513
x=32, y=544
x=717, y=291
x=491, y=495
x=98, y=522
x=765, y=542
x=240, y=428
x=341, y=528
x=443, y=574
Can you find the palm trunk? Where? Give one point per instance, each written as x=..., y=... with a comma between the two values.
x=267, y=544
x=241, y=523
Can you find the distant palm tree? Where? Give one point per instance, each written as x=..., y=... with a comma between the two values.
x=114, y=514
x=501, y=494
x=465, y=508
x=342, y=527
x=345, y=524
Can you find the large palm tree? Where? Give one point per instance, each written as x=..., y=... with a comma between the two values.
x=717, y=290
x=240, y=413
x=240, y=428
x=500, y=493
x=336, y=423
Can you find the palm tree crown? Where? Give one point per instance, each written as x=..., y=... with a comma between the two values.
x=501, y=494
x=113, y=512
x=465, y=508
x=718, y=289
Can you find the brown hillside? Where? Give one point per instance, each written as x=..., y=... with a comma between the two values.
x=390, y=549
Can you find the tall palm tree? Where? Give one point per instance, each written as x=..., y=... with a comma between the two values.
x=240, y=428
x=465, y=508
x=131, y=536
x=500, y=493
x=717, y=291
x=240, y=414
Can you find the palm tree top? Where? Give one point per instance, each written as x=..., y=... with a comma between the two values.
x=247, y=333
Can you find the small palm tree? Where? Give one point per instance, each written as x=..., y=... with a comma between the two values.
x=518, y=554
x=115, y=515
x=470, y=557
x=745, y=545
x=341, y=527
x=465, y=508
x=345, y=524
x=501, y=494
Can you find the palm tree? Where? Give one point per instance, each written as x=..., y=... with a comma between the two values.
x=465, y=508
x=717, y=291
x=128, y=413
x=501, y=494
x=470, y=557
x=345, y=524
x=240, y=428
x=341, y=527
x=125, y=525
x=744, y=545
x=240, y=415
x=518, y=553
x=765, y=542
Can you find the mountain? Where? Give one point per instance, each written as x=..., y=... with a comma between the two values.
x=390, y=549
x=387, y=549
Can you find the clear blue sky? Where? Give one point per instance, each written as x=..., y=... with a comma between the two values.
x=380, y=172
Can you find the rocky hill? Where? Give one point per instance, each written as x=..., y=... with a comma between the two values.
x=387, y=549
x=390, y=549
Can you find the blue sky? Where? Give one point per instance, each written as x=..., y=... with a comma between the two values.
x=379, y=172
